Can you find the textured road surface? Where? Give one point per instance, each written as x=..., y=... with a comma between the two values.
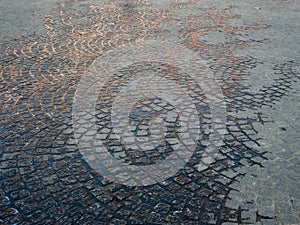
x=251, y=50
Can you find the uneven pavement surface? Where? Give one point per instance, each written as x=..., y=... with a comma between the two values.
x=149, y=112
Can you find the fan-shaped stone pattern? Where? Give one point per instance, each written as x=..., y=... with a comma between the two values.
x=45, y=180
x=147, y=109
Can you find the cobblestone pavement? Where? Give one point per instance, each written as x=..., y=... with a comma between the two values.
x=50, y=176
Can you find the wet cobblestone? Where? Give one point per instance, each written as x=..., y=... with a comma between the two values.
x=46, y=180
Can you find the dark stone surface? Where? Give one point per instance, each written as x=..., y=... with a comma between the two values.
x=252, y=50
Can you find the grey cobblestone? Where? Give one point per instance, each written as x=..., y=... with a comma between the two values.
x=252, y=51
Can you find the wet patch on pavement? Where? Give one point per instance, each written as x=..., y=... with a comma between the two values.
x=44, y=177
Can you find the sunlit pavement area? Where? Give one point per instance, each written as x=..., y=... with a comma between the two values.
x=150, y=112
